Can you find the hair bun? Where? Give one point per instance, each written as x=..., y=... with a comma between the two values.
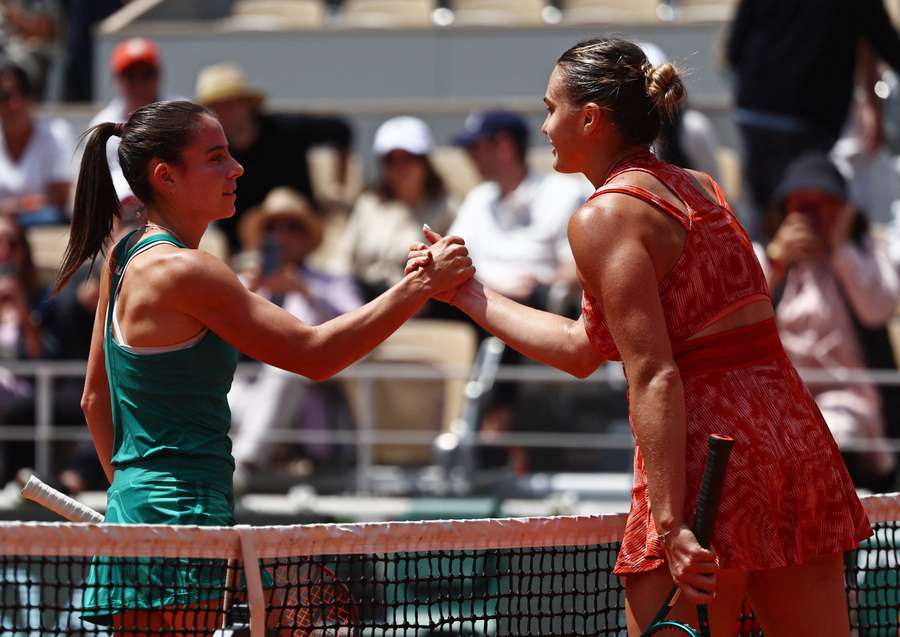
x=665, y=88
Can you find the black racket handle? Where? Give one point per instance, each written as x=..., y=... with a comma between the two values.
x=708, y=504
x=711, y=487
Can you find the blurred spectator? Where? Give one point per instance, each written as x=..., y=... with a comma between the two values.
x=388, y=217
x=835, y=290
x=29, y=31
x=688, y=139
x=794, y=64
x=861, y=154
x=35, y=155
x=515, y=226
x=271, y=148
x=20, y=338
x=81, y=18
x=282, y=232
x=136, y=69
x=514, y=223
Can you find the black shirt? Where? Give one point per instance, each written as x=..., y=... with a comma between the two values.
x=798, y=57
x=278, y=158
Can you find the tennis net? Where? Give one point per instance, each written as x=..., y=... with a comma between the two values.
x=528, y=576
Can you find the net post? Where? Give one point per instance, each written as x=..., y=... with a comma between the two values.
x=255, y=597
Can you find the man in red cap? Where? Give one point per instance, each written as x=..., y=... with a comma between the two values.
x=136, y=68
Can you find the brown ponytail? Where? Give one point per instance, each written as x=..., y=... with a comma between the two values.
x=160, y=130
x=96, y=204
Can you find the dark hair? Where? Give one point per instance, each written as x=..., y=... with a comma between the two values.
x=160, y=130
x=26, y=274
x=434, y=184
x=23, y=79
x=616, y=75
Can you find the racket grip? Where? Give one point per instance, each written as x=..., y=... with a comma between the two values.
x=711, y=487
x=58, y=502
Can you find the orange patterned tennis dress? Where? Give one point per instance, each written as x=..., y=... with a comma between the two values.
x=787, y=496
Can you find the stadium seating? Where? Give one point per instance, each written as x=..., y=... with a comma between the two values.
x=277, y=14
x=426, y=405
x=704, y=10
x=387, y=13
x=614, y=11
x=498, y=12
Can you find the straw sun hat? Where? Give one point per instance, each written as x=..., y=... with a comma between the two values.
x=225, y=81
x=281, y=203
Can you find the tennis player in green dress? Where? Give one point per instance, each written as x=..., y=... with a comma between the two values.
x=169, y=324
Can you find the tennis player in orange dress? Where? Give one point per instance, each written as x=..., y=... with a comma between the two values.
x=673, y=289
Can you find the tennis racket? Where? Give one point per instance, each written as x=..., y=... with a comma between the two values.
x=707, y=507
x=307, y=598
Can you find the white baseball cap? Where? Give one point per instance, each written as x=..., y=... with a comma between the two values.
x=403, y=133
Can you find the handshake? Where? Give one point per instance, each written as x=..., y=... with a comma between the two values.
x=443, y=262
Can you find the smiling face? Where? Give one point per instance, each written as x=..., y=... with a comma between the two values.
x=567, y=126
x=203, y=183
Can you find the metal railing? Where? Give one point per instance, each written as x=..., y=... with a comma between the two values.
x=367, y=433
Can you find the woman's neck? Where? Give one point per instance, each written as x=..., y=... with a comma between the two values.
x=602, y=164
x=185, y=230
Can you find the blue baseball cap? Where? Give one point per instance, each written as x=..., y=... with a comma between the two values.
x=489, y=123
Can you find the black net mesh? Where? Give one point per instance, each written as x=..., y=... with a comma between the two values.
x=553, y=590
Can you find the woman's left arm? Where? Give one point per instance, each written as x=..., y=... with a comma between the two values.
x=613, y=251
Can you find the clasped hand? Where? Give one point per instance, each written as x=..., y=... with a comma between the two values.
x=444, y=260
x=693, y=568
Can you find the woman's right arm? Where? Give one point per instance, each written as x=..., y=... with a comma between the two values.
x=543, y=336
x=203, y=287
x=95, y=401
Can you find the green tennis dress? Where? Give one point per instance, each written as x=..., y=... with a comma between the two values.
x=172, y=458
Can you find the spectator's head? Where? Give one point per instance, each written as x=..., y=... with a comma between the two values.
x=497, y=142
x=175, y=158
x=136, y=68
x=16, y=96
x=402, y=146
x=284, y=227
x=814, y=187
x=604, y=95
x=224, y=89
x=15, y=254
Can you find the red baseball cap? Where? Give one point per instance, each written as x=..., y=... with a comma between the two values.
x=133, y=51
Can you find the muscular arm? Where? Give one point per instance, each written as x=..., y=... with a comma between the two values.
x=549, y=338
x=95, y=401
x=203, y=287
x=611, y=249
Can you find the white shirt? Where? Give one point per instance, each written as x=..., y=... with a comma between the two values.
x=522, y=236
x=47, y=159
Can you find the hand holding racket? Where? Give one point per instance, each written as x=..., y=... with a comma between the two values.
x=707, y=508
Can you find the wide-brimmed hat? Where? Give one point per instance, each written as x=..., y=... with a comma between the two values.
x=224, y=81
x=280, y=203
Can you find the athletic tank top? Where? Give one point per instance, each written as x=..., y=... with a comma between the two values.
x=716, y=273
x=169, y=406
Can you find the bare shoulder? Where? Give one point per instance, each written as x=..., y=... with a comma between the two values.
x=173, y=270
x=606, y=219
